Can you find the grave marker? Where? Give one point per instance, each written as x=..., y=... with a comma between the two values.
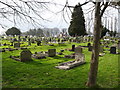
x=113, y=50
x=16, y=45
x=52, y=52
x=25, y=55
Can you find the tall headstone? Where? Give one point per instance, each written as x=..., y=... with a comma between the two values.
x=113, y=50
x=52, y=52
x=78, y=54
x=73, y=47
x=25, y=55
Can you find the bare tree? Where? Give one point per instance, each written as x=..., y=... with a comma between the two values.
x=33, y=6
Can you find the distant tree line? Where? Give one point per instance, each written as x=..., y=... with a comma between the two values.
x=43, y=32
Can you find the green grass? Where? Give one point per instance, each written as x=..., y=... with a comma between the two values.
x=41, y=73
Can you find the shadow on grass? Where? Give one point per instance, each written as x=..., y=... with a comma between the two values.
x=33, y=62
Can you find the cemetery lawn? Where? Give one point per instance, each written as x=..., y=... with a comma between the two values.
x=41, y=73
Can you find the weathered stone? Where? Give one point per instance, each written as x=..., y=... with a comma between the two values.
x=25, y=55
x=89, y=44
x=52, y=52
x=90, y=48
x=78, y=49
x=73, y=47
x=16, y=45
x=61, y=50
x=113, y=50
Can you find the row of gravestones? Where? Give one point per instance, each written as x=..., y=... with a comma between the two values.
x=112, y=48
x=26, y=55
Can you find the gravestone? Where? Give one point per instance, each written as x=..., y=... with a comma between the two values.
x=52, y=52
x=79, y=60
x=78, y=50
x=25, y=55
x=101, y=49
x=38, y=43
x=73, y=47
x=89, y=44
x=16, y=45
x=90, y=48
x=113, y=50
x=78, y=54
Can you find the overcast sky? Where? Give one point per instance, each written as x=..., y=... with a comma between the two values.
x=55, y=19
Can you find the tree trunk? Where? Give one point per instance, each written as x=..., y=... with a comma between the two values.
x=96, y=44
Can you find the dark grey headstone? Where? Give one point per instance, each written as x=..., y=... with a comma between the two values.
x=16, y=45
x=89, y=44
x=25, y=55
x=113, y=50
x=73, y=47
x=52, y=52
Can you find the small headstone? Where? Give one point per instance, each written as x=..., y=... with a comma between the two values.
x=16, y=45
x=25, y=55
x=52, y=52
x=60, y=53
x=113, y=50
x=90, y=48
x=89, y=44
x=101, y=49
x=14, y=39
x=61, y=50
x=38, y=43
